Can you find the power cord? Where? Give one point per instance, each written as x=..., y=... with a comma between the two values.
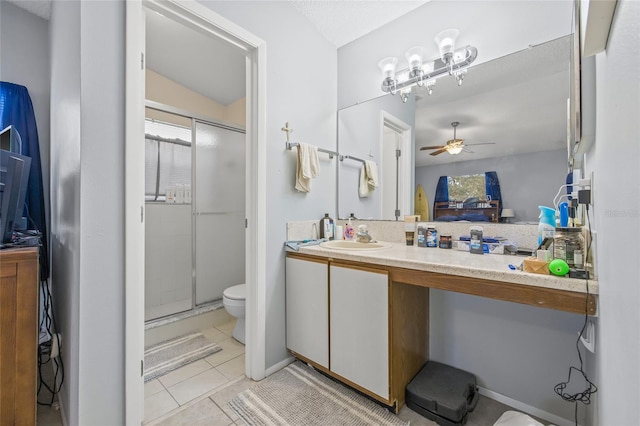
x=46, y=349
x=561, y=388
x=48, y=322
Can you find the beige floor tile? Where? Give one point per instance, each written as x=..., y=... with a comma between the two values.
x=231, y=348
x=223, y=397
x=158, y=405
x=184, y=373
x=227, y=328
x=196, y=386
x=232, y=369
x=214, y=335
x=203, y=413
x=152, y=387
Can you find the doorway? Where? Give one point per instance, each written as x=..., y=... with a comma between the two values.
x=395, y=167
x=196, y=16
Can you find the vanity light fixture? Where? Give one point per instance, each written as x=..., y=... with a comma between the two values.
x=423, y=73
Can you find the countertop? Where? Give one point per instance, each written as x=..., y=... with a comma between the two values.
x=453, y=262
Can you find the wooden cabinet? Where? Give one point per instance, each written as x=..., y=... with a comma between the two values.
x=18, y=335
x=359, y=324
x=307, y=309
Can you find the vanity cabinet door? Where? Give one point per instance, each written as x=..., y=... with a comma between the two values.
x=307, y=309
x=359, y=323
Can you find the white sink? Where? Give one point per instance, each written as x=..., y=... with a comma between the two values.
x=353, y=245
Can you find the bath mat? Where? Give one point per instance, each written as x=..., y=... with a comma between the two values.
x=175, y=353
x=298, y=395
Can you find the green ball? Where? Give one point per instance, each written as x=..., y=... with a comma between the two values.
x=558, y=267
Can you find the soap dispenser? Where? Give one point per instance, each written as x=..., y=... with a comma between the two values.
x=326, y=227
x=349, y=232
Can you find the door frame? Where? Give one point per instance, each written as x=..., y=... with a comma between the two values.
x=197, y=16
x=405, y=164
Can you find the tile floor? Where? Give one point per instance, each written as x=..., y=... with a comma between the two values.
x=198, y=393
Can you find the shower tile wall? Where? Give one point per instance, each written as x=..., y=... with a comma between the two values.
x=168, y=262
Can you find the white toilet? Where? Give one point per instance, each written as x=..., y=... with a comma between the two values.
x=233, y=299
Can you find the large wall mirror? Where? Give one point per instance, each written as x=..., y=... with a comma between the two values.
x=511, y=112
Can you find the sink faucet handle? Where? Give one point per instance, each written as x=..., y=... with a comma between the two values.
x=363, y=228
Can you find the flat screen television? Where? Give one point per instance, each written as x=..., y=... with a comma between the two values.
x=10, y=140
x=14, y=178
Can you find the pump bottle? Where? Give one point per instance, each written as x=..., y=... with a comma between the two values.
x=547, y=223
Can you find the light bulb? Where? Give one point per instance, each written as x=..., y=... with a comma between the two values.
x=446, y=41
x=388, y=67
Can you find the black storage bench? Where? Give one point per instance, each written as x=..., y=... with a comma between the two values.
x=442, y=393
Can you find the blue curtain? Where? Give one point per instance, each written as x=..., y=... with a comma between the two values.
x=492, y=187
x=442, y=191
x=16, y=109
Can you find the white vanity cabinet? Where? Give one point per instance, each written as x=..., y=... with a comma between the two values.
x=354, y=323
x=307, y=309
x=359, y=324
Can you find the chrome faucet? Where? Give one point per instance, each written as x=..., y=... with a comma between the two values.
x=363, y=234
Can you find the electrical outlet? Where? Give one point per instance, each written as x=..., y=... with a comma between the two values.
x=588, y=339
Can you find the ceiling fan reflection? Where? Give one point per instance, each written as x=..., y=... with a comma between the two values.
x=453, y=146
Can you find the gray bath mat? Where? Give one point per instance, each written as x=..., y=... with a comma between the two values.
x=298, y=395
x=172, y=354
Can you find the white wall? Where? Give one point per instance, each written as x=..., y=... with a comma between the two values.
x=87, y=183
x=485, y=337
x=526, y=180
x=301, y=89
x=615, y=160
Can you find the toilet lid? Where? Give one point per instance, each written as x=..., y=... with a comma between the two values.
x=237, y=292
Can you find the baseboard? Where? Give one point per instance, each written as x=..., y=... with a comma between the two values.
x=279, y=366
x=521, y=406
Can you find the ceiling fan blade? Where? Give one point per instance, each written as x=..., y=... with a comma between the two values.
x=481, y=143
x=432, y=147
x=464, y=148
x=440, y=151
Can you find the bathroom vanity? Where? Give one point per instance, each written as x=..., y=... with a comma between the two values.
x=363, y=316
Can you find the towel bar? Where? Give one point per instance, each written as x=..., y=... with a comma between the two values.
x=351, y=157
x=290, y=146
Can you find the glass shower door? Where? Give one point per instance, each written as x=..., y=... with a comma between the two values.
x=219, y=210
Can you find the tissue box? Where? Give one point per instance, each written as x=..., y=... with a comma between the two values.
x=533, y=265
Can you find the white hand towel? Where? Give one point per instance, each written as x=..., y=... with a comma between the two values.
x=307, y=166
x=371, y=170
x=363, y=188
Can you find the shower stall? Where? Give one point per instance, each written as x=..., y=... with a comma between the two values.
x=195, y=212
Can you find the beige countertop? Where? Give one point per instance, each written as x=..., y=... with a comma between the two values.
x=453, y=262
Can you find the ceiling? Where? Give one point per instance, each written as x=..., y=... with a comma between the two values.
x=503, y=102
x=341, y=22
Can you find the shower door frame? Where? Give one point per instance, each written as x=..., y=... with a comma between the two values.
x=221, y=124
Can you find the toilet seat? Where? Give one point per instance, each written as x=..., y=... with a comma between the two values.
x=236, y=292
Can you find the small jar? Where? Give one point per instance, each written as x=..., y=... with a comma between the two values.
x=445, y=241
x=568, y=245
